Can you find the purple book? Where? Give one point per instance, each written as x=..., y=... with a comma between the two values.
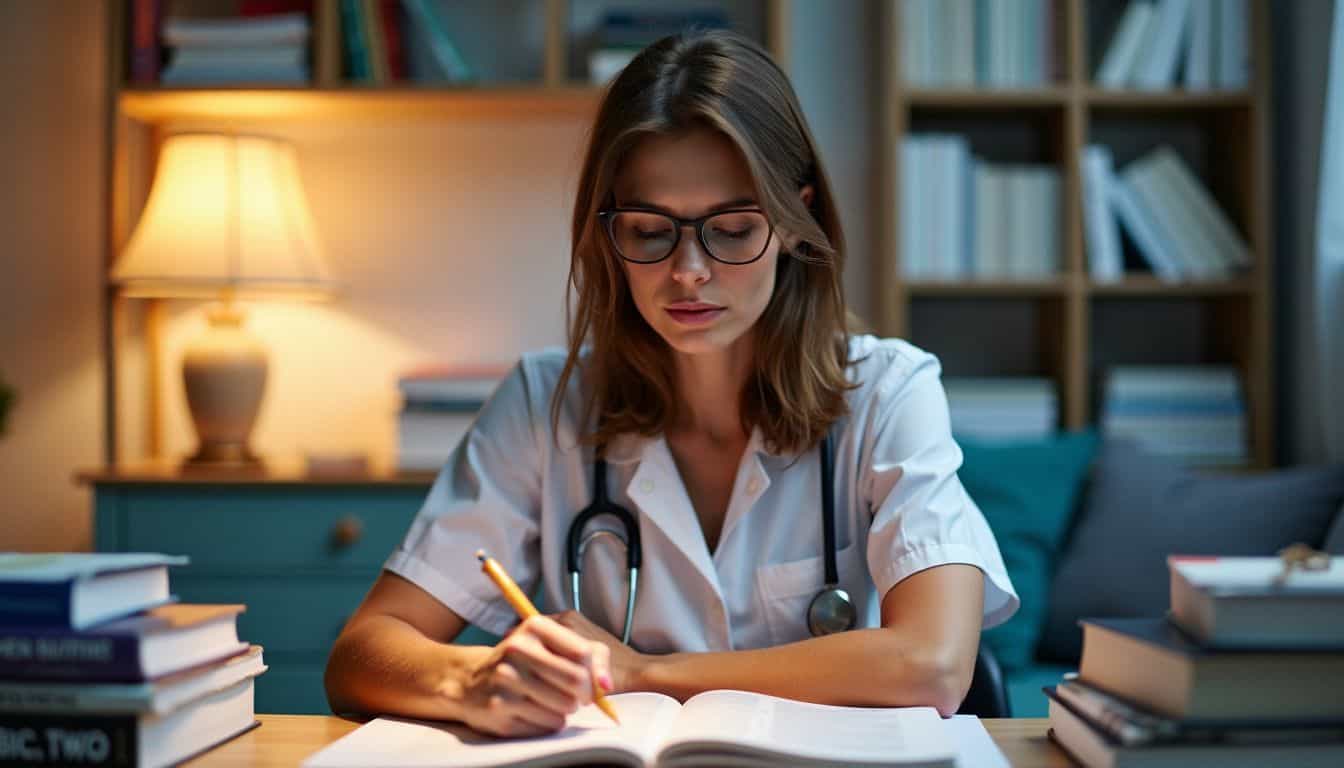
x=159, y=642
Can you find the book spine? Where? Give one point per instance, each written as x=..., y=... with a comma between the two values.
x=145, y=49
x=33, y=739
x=393, y=43
x=1118, y=62
x=375, y=42
x=356, y=55
x=53, y=655
x=445, y=52
x=42, y=604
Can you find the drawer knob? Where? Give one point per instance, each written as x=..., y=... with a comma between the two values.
x=347, y=532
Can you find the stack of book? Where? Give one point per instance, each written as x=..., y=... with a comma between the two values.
x=1002, y=408
x=439, y=404
x=1193, y=414
x=1175, y=223
x=270, y=49
x=964, y=218
x=1155, y=37
x=1246, y=670
x=964, y=43
x=98, y=665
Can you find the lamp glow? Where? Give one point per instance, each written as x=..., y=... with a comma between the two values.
x=226, y=219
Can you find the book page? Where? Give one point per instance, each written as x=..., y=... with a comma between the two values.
x=742, y=723
x=588, y=737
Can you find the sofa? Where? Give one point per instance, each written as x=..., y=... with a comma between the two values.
x=1085, y=526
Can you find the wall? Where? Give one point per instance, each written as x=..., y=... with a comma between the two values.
x=51, y=158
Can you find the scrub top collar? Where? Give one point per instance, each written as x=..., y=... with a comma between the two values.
x=657, y=490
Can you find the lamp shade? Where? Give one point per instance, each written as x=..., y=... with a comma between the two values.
x=226, y=216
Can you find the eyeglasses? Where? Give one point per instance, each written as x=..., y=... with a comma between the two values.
x=736, y=236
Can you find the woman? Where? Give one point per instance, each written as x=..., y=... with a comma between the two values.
x=707, y=363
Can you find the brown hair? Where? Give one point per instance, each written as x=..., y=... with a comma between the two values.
x=796, y=390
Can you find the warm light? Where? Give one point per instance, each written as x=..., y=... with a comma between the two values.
x=226, y=216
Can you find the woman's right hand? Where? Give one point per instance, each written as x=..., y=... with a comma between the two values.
x=539, y=673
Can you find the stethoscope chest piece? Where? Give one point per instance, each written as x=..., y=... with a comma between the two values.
x=829, y=612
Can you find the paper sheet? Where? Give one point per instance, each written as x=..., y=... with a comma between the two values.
x=975, y=748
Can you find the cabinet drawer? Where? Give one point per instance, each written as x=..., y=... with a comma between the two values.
x=234, y=530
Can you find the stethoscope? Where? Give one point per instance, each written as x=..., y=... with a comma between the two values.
x=830, y=611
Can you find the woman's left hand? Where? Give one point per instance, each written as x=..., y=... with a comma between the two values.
x=627, y=664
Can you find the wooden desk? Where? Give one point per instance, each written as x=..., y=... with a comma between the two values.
x=283, y=741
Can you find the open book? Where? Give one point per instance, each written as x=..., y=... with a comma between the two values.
x=716, y=728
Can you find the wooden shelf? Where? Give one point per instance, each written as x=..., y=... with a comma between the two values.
x=1166, y=100
x=161, y=105
x=1139, y=286
x=1066, y=324
x=988, y=288
x=981, y=98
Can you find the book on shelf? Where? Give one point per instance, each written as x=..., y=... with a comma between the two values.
x=372, y=30
x=1105, y=260
x=146, y=52
x=146, y=646
x=452, y=383
x=1157, y=44
x=1093, y=745
x=247, y=49
x=426, y=437
x=426, y=26
x=1155, y=65
x=962, y=217
x=75, y=591
x=439, y=404
x=1194, y=414
x=984, y=43
x=1002, y=408
x=236, y=32
x=127, y=740
x=1151, y=663
x=713, y=728
x=1241, y=602
x=1173, y=220
x=156, y=697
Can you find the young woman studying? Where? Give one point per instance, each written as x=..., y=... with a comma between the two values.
x=788, y=490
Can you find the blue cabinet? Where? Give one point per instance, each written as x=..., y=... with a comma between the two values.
x=300, y=553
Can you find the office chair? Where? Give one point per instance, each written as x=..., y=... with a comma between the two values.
x=988, y=694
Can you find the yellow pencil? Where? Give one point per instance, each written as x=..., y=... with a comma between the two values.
x=525, y=610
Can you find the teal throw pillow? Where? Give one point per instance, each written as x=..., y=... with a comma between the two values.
x=1028, y=492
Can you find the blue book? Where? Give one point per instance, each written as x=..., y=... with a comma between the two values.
x=80, y=590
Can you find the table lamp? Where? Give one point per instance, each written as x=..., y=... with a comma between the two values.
x=226, y=219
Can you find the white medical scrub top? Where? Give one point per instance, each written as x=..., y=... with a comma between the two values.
x=512, y=489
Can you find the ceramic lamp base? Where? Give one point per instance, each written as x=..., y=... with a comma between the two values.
x=225, y=376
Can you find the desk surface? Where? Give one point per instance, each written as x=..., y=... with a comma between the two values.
x=285, y=740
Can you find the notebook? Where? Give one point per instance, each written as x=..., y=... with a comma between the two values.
x=714, y=728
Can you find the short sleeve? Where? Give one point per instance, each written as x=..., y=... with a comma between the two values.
x=922, y=516
x=487, y=496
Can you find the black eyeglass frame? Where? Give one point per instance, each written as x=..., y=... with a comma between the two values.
x=608, y=215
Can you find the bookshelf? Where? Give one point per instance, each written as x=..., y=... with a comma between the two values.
x=532, y=56
x=1069, y=327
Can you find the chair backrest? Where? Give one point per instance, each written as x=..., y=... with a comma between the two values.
x=988, y=694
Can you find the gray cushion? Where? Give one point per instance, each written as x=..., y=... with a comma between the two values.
x=1140, y=508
